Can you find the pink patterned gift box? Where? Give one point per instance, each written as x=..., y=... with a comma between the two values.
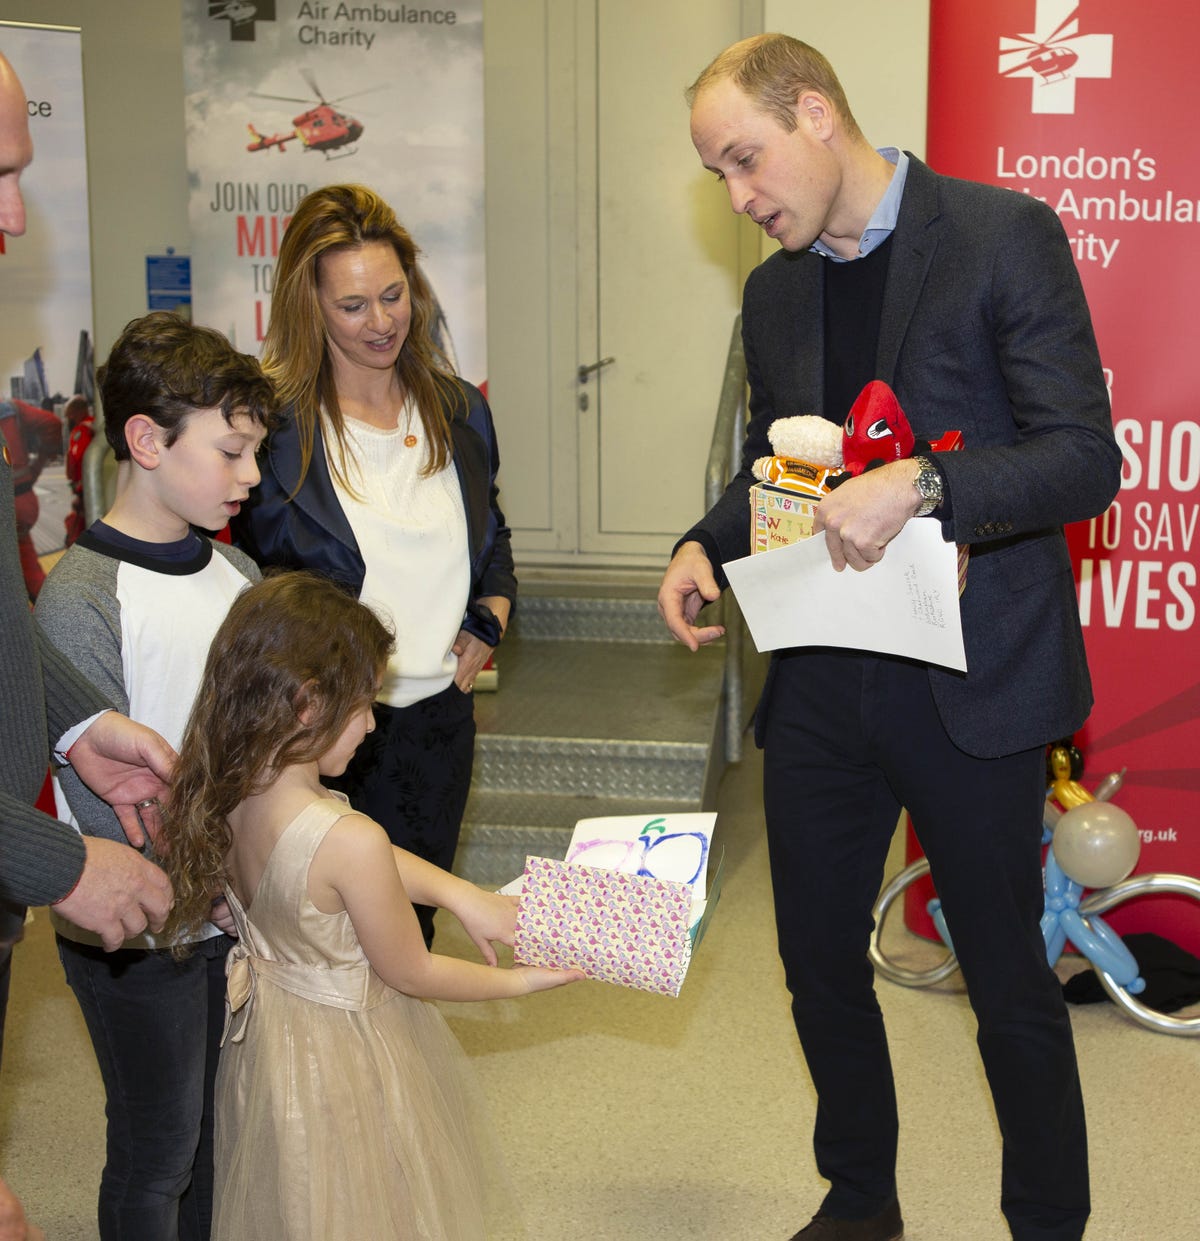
x=614, y=926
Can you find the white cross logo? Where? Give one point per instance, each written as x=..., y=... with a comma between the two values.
x=1056, y=59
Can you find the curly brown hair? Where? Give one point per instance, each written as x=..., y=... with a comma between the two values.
x=293, y=645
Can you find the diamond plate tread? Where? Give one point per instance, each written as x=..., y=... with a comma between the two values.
x=498, y=811
x=502, y=829
x=590, y=766
x=493, y=862
x=595, y=714
x=648, y=692
x=591, y=619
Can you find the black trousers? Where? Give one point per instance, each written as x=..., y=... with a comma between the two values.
x=848, y=739
x=412, y=776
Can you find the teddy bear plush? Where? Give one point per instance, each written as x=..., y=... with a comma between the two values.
x=808, y=454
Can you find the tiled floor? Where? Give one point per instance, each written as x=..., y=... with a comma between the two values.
x=628, y=1117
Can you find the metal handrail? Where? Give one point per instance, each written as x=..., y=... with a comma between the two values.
x=93, y=477
x=724, y=449
x=101, y=471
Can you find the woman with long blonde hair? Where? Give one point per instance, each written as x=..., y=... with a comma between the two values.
x=383, y=477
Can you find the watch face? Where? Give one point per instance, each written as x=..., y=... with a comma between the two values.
x=929, y=483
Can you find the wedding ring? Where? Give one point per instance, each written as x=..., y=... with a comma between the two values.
x=150, y=801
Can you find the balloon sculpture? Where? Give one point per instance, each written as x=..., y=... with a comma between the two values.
x=1092, y=845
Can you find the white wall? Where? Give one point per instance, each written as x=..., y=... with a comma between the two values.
x=880, y=50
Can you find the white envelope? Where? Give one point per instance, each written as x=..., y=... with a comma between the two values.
x=905, y=604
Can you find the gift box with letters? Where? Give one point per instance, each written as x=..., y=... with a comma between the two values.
x=779, y=518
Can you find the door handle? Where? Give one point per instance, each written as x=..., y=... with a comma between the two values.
x=585, y=371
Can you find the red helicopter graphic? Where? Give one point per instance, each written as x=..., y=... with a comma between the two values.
x=236, y=11
x=1048, y=58
x=322, y=128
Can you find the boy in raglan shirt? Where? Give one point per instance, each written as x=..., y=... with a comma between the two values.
x=134, y=603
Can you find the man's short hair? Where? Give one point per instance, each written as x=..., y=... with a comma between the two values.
x=774, y=70
x=166, y=368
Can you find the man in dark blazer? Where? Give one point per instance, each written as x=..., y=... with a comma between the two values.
x=99, y=884
x=965, y=299
x=45, y=700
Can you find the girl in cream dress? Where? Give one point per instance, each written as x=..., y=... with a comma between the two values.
x=344, y=1104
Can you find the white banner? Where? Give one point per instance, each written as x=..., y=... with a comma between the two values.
x=283, y=96
x=46, y=275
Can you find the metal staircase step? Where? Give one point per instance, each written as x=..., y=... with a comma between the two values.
x=595, y=714
x=595, y=618
x=590, y=766
x=501, y=829
x=559, y=688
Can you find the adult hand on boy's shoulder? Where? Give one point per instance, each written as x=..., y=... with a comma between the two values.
x=118, y=895
x=127, y=764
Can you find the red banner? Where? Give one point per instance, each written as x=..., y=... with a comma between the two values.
x=1088, y=106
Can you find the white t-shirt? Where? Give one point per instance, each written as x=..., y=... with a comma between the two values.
x=412, y=533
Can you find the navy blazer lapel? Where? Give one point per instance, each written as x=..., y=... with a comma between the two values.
x=914, y=243
x=318, y=498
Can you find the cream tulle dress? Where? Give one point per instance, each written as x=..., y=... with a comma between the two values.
x=345, y=1109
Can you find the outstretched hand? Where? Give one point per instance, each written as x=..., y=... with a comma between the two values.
x=687, y=585
x=491, y=919
x=540, y=978
x=127, y=764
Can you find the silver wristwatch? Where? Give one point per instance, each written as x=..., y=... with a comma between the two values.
x=928, y=483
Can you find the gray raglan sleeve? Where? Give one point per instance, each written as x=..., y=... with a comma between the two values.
x=240, y=561
x=80, y=616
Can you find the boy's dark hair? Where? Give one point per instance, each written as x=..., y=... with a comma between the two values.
x=166, y=368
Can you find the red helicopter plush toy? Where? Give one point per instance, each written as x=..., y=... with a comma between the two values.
x=876, y=430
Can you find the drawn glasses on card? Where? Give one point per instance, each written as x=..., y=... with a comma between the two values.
x=680, y=857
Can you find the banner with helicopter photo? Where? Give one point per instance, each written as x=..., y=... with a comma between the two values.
x=1066, y=100
x=284, y=96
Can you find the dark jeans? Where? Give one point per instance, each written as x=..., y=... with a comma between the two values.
x=156, y=1026
x=412, y=776
x=848, y=740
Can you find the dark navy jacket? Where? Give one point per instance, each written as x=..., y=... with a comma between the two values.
x=984, y=329
x=311, y=531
